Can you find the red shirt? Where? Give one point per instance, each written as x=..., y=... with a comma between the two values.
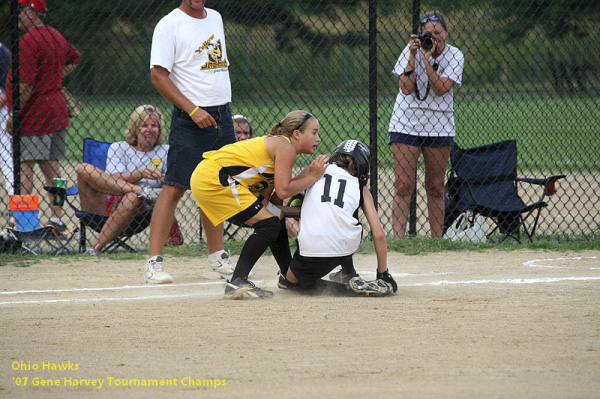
x=43, y=52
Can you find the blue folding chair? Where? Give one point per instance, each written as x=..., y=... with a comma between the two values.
x=484, y=180
x=28, y=230
x=95, y=153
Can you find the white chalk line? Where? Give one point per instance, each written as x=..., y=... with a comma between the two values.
x=113, y=299
x=219, y=292
x=403, y=275
x=156, y=286
x=535, y=262
x=506, y=281
x=125, y=287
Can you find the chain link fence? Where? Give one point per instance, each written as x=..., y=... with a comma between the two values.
x=530, y=73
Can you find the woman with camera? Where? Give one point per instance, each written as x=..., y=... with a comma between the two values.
x=423, y=118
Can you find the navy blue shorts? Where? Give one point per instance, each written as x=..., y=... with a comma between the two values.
x=187, y=142
x=421, y=141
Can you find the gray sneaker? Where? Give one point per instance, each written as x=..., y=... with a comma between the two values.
x=373, y=288
x=149, y=194
x=241, y=288
x=155, y=273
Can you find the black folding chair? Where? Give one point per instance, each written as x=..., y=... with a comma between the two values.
x=484, y=180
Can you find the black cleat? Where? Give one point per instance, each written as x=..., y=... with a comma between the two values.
x=241, y=288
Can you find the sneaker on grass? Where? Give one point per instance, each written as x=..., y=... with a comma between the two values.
x=242, y=288
x=92, y=252
x=155, y=273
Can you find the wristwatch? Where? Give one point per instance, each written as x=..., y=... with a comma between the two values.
x=408, y=73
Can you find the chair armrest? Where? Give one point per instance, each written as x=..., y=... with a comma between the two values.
x=64, y=194
x=73, y=190
x=548, y=182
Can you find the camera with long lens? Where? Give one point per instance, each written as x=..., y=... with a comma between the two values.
x=427, y=41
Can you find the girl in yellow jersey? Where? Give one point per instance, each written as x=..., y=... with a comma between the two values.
x=230, y=183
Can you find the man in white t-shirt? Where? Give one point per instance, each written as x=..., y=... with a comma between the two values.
x=423, y=118
x=190, y=68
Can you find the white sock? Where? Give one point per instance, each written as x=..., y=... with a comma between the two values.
x=54, y=219
x=215, y=256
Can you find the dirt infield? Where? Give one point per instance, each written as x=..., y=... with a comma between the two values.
x=490, y=324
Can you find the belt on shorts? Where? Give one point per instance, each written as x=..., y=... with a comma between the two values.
x=181, y=114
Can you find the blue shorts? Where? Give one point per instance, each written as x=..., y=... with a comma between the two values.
x=421, y=141
x=187, y=142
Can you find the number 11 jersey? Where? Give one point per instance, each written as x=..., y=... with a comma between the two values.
x=329, y=223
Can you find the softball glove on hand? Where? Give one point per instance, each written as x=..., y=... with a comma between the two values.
x=387, y=277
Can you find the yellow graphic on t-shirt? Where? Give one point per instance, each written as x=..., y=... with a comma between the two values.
x=156, y=163
x=215, y=54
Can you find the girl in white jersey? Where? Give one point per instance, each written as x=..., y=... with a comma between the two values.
x=330, y=232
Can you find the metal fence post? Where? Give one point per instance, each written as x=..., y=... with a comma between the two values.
x=412, y=218
x=373, y=97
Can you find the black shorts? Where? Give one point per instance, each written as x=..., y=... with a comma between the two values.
x=309, y=270
x=421, y=141
x=239, y=219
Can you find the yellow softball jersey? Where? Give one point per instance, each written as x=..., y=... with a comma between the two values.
x=230, y=179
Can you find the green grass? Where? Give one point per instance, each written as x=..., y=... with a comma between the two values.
x=553, y=134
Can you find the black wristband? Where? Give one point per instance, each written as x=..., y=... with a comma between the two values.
x=408, y=73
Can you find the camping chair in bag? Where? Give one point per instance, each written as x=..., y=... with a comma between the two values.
x=28, y=230
x=484, y=180
x=95, y=153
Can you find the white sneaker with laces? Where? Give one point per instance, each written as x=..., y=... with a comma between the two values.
x=92, y=252
x=155, y=273
x=222, y=268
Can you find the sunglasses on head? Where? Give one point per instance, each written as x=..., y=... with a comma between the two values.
x=239, y=118
x=433, y=18
x=303, y=121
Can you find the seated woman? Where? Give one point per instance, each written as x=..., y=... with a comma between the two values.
x=132, y=180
